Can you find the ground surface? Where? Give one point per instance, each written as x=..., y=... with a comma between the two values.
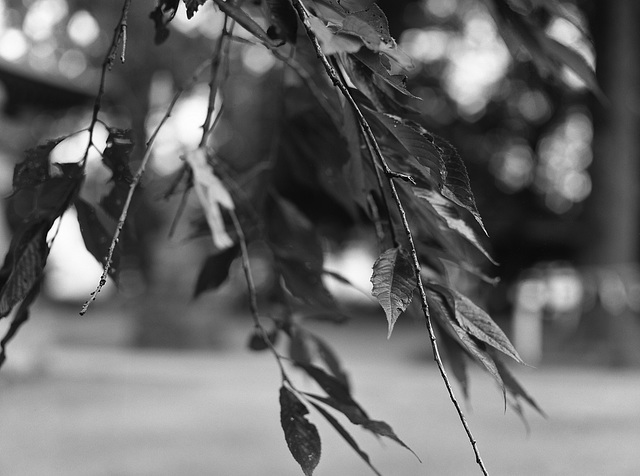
x=107, y=410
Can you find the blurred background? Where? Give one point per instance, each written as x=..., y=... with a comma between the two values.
x=154, y=382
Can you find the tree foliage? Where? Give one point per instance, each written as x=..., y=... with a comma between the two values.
x=354, y=143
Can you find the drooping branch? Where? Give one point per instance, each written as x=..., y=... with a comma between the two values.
x=304, y=15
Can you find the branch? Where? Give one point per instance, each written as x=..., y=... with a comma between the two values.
x=372, y=142
x=132, y=188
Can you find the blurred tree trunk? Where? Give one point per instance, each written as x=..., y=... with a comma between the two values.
x=613, y=213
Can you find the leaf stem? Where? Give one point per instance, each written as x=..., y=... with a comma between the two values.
x=304, y=15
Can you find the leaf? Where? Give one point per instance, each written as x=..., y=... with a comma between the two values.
x=373, y=61
x=449, y=214
x=394, y=281
x=298, y=253
x=478, y=323
x=330, y=358
x=457, y=186
x=24, y=266
x=21, y=316
x=215, y=270
x=212, y=195
x=161, y=15
x=96, y=238
x=372, y=27
x=283, y=19
x=417, y=141
x=245, y=21
x=457, y=361
x=514, y=387
x=349, y=5
x=258, y=341
x=302, y=436
x=35, y=168
x=333, y=386
x=333, y=42
x=117, y=154
x=444, y=313
x=357, y=416
x=346, y=436
x=192, y=6
x=299, y=351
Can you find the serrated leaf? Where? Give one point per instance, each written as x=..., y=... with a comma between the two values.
x=457, y=186
x=345, y=435
x=301, y=435
x=96, y=238
x=283, y=19
x=478, y=323
x=215, y=270
x=417, y=141
x=213, y=196
x=444, y=312
x=448, y=213
x=394, y=281
x=23, y=267
x=370, y=25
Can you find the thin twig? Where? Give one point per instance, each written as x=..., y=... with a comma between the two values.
x=253, y=295
x=119, y=34
x=371, y=140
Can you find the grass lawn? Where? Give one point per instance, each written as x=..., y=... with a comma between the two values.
x=113, y=411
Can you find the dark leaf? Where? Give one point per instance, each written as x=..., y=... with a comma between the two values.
x=444, y=312
x=283, y=19
x=516, y=390
x=21, y=316
x=96, y=238
x=450, y=217
x=357, y=416
x=333, y=386
x=329, y=357
x=298, y=253
x=457, y=361
x=24, y=268
x=163, y=13
x=244, y=20
x=192, y=6
x=370, y=25
x=419, y=142
x=258, y=341
x=299, y=350
x=477, y=322
x=35, y=168
x=117, y=154
x=302, y=436
x=372, y=60
x=215, y=270
x=349, y=5
x=345, y=435
x=457, y=186
x=394, y=281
